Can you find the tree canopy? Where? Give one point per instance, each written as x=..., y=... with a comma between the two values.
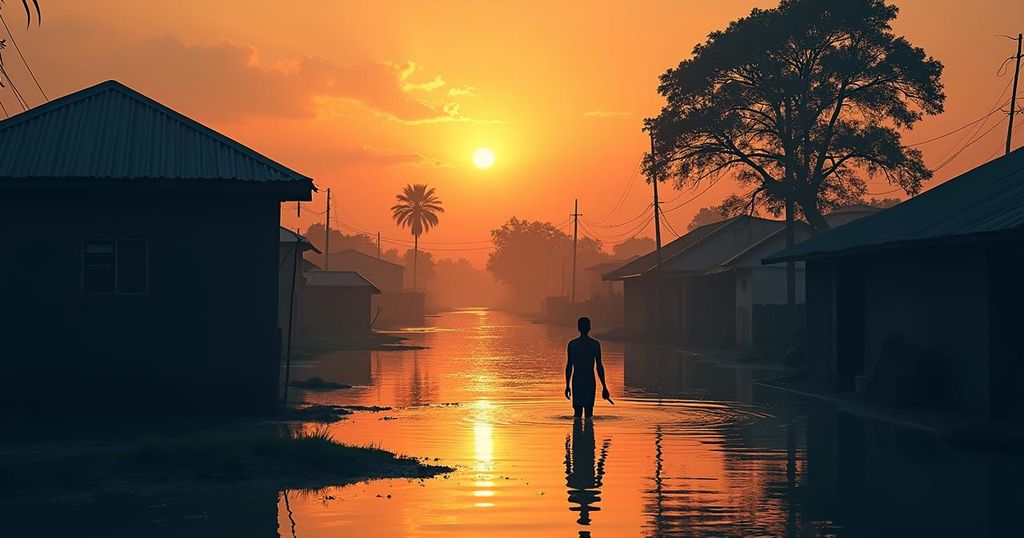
x=634, y=246
x=804, y=100
x=535, y=259
x=705, y=215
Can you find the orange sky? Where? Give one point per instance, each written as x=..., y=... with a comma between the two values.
x=366, y=96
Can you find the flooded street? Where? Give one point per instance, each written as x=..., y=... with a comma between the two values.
x=689, y=449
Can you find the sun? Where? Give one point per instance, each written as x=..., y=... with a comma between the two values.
x=483, y=158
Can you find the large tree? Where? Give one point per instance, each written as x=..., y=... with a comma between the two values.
x=704, y=216
x=535, y=260
x=634, y=246
x=804, y=101
x=417, y=209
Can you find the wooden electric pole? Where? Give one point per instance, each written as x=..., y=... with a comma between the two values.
x=327, y=234
x=1013, y=97
x=657, y=217
x=291, y=316
x=575, y=230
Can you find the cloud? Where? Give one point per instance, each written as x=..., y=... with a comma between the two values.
x=367, y=156
x=465, y=91
x=230, y=81
x=604, y=113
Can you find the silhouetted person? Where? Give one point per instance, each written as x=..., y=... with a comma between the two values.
x=583, y=353
x=582, y=477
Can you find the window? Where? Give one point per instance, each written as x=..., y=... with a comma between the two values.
x=115, y=267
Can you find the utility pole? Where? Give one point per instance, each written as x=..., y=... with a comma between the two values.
x=327, y=234
x=291, y=308
x=575, y=229
x=657, y=219
x=298, y=208
x=378, y=245
x=660, y=291
x=790, y=265
x=1013, y=97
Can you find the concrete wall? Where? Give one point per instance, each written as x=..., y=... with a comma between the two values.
x=332, y=313
x=399, y=309
x=634, y=304
x=205, y=334
x=768, y=284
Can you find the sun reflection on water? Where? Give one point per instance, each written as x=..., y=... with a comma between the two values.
x=483, y=451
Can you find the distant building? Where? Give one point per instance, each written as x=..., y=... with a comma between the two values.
x=291, y=285
x=764, y=326
x=336, y=306
x=920, y=303
x=674, y=302
x=385, y=275
x=394, y=306
x=154, y=243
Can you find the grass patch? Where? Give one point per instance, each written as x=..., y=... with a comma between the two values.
x=316, y=383
x=308, y=456
x=273, y=455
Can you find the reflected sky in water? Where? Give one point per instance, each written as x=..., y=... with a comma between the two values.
x=689, y=449
x=685, y=452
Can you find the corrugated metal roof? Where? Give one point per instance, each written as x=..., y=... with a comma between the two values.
x=358, y=254
x=110, y=131
x=675, y=256
x=288, y=236
x=982, y=202
x=347, y=279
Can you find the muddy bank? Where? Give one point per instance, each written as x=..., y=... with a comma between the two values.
x=375, y=341
x=274, y=456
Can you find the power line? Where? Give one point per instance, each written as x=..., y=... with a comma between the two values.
x=625, y=193
x=711, y=184
x=23, y=60
x=17, y=94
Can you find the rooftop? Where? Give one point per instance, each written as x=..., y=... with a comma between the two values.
x=112, y=132
x=344, y=279
x=288, y=236
x=983, y=203
x=685, y=255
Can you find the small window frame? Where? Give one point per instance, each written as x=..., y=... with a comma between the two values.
x=116, y=276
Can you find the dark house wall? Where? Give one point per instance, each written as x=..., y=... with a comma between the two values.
x=397, y=309
x=330, y=313
x=205, y=333
x=911, y=319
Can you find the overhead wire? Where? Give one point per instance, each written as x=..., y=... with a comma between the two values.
x=23, y=59
x=625, y=193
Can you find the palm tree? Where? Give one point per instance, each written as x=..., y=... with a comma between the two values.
x=417, y=209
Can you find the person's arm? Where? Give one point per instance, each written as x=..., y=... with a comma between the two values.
x=568, y=372
x=600, y=373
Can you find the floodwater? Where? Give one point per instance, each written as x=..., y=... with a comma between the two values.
x=688, y=449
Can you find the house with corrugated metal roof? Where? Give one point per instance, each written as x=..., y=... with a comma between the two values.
x=154, y=243
x=921, y=303
x=337, y=306
x=672, y=302
x=394, y=306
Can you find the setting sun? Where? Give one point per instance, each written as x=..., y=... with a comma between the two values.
x=483, y=158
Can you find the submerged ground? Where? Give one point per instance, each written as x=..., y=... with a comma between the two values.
x=689, y=449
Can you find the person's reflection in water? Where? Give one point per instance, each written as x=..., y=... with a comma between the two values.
x=582, y=476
